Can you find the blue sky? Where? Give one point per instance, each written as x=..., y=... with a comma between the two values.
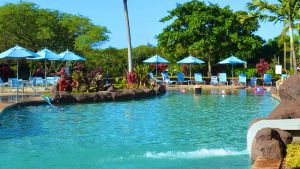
x=144, y=17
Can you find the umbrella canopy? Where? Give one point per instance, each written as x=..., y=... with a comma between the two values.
x=190, y=60
x=18, y=52
x=156, y=59
x=232, y=60
x=70, y=56
x=46, y=54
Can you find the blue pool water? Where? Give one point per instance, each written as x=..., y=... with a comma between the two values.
x=177, y=130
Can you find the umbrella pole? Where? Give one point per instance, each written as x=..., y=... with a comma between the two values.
x=45, y=74
x=232, y=74
x=156, y=69
x=17, y=81
x=190, y=73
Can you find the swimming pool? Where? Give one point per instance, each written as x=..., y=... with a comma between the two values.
x=177, y=130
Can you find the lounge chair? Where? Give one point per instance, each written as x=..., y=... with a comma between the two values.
x=284, y=76
x=15, y=83
x=52, y=80
x=180, y=78
x=267, y=79
x=253, y=81
x=199, y=79
x=223, y=78
x=152, y=78
x=242, y=79
x=37, y=81
x=166, y=78
x=2, y=84
x=214, y=80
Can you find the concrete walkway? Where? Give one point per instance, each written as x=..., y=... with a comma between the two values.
x=9, y=101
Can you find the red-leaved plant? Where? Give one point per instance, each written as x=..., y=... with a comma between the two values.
x=184, y=69
x=160, y=67
x=131, y=78
x=262, y=67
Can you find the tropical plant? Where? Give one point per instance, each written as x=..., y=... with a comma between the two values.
x=87, y=81
x=286, y=11
x=142, y=72
x=120, y=83
x=129, y=37
x=131, y=79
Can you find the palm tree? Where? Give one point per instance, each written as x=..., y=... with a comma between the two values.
x=286, y=11
x=129, y=37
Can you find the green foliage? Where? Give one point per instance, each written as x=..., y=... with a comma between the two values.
x=141, y=53
x=208, y=32
x=173, y=69
x=141, y=72
x=249, y=72
x=34, y=28
x=120, y=83
x=292, y=159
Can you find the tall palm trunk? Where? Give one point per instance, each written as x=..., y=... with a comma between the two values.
x=284, y=57
x=129, y=37
x=293, y=49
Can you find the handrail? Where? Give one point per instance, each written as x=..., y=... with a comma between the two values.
x=284, y=124
x=46, y=99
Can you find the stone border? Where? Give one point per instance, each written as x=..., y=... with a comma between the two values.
x=104, y=96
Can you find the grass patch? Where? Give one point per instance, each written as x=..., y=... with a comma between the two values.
x=292, y=159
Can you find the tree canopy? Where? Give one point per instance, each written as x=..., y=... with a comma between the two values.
x=34, y=28
x=208, y=32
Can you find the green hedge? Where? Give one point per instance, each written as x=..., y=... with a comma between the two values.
x=293, y=156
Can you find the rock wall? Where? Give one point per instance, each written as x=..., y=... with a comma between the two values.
x=271, y=143
x=289, y=93
x=110, y=95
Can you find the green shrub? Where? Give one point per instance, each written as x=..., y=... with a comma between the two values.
x=250, y=72
x=293, y=156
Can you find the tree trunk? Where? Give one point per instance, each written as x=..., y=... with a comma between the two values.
x=129, y=36
x=293, y=49
x=284, y=57
x=209, y=67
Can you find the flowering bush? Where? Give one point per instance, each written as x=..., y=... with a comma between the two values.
x=262, y=67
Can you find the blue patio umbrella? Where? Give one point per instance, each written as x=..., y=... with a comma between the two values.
x=18, y=52
x=47, y=54
x=71, y=56
x=156, y=59
x=190, y=60
x=232, y=60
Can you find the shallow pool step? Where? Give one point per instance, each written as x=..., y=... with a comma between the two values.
x=266, y=164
